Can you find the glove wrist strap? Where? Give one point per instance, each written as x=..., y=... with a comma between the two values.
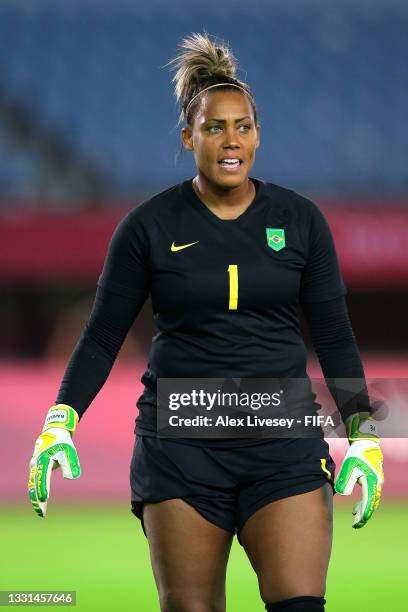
x=61, y=415
x=361, y=426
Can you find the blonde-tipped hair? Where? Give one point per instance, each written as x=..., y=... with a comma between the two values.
x=200, y=64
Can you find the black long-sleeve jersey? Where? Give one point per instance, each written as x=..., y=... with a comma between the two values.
x=225, y=296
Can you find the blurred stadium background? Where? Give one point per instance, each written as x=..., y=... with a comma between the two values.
x=87, y=131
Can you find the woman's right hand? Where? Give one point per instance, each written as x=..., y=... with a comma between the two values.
x=53, y=448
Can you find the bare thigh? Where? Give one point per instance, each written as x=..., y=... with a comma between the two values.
x=189, y=557
x=288, y=543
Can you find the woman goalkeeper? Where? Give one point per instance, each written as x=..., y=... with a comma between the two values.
x=227, y=259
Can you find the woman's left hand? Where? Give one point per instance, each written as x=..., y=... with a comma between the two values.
x=363, y=463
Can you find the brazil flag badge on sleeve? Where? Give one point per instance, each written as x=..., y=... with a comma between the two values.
x=275, y=238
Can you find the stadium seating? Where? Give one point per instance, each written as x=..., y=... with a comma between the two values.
x=329, y=82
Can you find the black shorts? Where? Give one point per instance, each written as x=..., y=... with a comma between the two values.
x=227, y=485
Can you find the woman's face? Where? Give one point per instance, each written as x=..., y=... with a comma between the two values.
x=224, y=127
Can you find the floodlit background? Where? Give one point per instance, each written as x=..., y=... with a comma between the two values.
x=87, y=131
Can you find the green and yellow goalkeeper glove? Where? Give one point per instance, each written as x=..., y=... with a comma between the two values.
x=363, y=463
x=53, y=448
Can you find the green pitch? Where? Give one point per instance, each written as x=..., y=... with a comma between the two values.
x=102, y=554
